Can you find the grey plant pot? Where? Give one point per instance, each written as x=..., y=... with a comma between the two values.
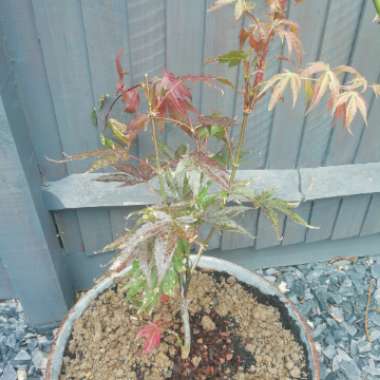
x=263, y=289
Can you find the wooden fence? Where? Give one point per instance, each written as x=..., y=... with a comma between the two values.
x=57, y=58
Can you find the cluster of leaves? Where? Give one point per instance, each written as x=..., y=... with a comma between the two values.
x=198, y=187
x=344, y=86
x=377, y=6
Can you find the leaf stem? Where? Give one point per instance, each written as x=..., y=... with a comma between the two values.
x=185, y=351
x=157, y=158
x=236, y=160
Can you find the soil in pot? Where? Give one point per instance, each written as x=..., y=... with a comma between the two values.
x=234, y=337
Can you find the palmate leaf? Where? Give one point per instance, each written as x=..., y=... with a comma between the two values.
x=232, y=58
x=210, y=168
x=163, y=250
x=271, y=206
x=278, y=83
x=151, y=333
x=352, y=102
x=288, y=31
x=222, y=222
x=241, y=6
x=376, y=89
x=105, y=158
x=130, y=242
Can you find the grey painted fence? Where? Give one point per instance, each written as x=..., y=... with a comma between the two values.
x=57, y=57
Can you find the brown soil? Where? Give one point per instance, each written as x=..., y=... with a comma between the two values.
x=234, y=337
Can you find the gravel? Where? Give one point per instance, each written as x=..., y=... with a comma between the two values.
x=332, y=297
x=23, y=352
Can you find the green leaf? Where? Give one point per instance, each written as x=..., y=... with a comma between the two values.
x=165, y=150
x=376, y=3
x=102, y=101
x=217, y=131
x=94, y=117
x=105, y=141
x=170, y=281
x=117, y=129
x=222, y=157
x=204, y=199
x=225, y=81
x=232, y=58
x=203, y=133
x=180, y=151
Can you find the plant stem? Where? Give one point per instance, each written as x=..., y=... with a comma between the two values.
x=236, y=160
x=157, y=154
x=185, y=351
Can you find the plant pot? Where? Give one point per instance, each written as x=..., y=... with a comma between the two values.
x=263, y=290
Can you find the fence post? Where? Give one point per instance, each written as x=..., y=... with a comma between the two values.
x=29, y=248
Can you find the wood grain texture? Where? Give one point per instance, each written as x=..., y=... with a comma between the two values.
x=337, y=44
x=147, y=48
x=337, y=47
x=296, y=233
x=6, y=291
x=90, y=193
x=323, y=215
x=29, y=248
x=343, y=146
x=288, y=122
x=302, y=253
x=185, y=28
x=371, y=221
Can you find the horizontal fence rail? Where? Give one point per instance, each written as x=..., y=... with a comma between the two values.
x=78, y=191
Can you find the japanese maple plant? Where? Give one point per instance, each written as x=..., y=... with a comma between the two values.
x=199, y=189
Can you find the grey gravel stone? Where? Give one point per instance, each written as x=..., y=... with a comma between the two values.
x=9, y=373
x=350, y=369
x=22, y=357
x=375, y=271
x=19, y=345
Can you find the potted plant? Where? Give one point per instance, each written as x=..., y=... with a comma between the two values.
x=186, y=315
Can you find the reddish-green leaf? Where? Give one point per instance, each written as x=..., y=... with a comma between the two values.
x=151, y=333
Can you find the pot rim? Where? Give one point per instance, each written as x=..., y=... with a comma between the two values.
x=62, y=337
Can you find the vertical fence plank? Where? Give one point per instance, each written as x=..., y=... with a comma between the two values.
x=147, y=42
x=29, y=247
x=120, y=221
x=34, y=91
x=232, y=240
x=339, y=37
x=371, y=224
x=350, y=217
x=185, y=32
x=343, y=145
x=323, y=215
x=220, y=36
x=6, y=291
x=258, y=143
x=288, y=122
x=62, y=33
x=106, y=25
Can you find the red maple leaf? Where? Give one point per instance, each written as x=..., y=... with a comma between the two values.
x=164, y=298
x=151, y=333
x=120, y=72
x=176, y=97
x=131, y=98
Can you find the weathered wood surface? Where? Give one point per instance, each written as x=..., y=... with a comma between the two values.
x=85, y=191
x=29, y=249
x=62, y=55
